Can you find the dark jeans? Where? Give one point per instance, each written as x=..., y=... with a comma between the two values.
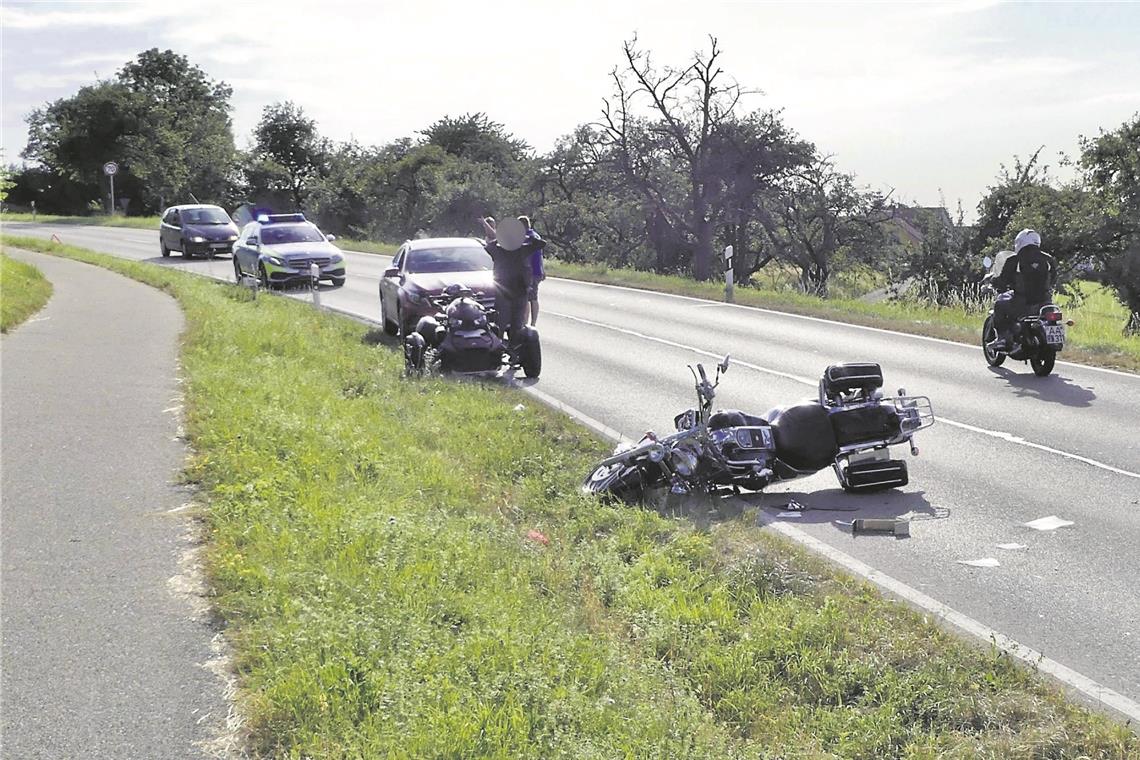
x=1008, y=311
x=511, y=304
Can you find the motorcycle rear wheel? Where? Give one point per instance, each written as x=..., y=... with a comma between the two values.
x=989, y=334
x=1043, y=363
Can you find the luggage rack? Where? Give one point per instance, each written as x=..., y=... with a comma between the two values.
x=915, y=412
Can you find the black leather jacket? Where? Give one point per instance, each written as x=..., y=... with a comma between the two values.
x=1031, y=273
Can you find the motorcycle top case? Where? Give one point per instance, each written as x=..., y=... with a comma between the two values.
x=855, y=376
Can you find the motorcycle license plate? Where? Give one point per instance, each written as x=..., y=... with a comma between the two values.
x=1054, y=334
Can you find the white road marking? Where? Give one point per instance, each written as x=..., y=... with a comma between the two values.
x=1109, y=699
x=1000, y=435
x=793, y=315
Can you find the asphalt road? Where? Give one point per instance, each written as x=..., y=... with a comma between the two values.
x=1008, y=448
x=104, y=654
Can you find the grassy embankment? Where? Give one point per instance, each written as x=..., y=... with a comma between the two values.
x=1096, y=338
x=99, y=220
x=23, y=291
x=369, y=550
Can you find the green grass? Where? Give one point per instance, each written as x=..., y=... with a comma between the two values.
x=369, y=553
x=368, y=246
x=23, y=292
x=101, y=220
x=1096, y=338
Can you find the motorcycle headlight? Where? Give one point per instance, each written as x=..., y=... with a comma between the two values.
x=197, y=239
x=684, y=461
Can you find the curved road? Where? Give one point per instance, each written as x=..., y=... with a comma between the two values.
x=1008, y=447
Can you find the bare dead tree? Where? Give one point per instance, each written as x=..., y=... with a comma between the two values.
x=684, y=108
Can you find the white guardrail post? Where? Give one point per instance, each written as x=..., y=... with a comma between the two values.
x=314, y=283
x=728, y=274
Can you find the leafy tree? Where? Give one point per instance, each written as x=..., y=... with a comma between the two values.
x=163, y=119
x=475, y=138
x=1111, y=163
x=291, y=152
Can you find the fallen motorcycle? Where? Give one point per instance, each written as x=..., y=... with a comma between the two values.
x=850, y=427
x=463, y=338
x=1036, y=338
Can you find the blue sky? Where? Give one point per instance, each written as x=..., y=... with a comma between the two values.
x=926, y=100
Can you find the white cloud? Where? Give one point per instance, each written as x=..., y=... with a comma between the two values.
x=107, y=14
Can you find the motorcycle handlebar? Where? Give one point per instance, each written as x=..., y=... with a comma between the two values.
x=701, y=369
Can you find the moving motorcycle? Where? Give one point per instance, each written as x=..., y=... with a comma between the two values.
x=463, y=338
x=1037, y=338
x=849, y=427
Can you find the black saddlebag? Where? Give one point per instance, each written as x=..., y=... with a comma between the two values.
x=480, y=351
x=845, y=378
x=865, y=423
x=804, y=437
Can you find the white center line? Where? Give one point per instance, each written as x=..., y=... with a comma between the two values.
x=1007, y=437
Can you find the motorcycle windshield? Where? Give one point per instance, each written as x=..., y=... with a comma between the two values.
x=999, y=261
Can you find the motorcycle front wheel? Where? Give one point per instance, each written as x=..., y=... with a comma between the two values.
x=622, y=481
x=989, y=335
x=1043, y=363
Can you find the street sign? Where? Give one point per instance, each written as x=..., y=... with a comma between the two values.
x=110, y=168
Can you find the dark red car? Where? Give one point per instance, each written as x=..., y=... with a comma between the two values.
x=422, y=269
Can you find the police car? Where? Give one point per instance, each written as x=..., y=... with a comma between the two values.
x=279, y=249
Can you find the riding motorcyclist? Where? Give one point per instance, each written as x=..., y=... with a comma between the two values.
x=1029, y=274
x=511, y=250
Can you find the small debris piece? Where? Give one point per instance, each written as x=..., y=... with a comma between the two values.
x=1052, y=522
x=984, y=562
x=893, y=525
x=538, y=536
x=790, y=514
x=519, y=407
x=1012, y=547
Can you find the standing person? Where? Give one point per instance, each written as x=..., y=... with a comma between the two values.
x=1031, y=274
x=537, y=270
x=510, y=250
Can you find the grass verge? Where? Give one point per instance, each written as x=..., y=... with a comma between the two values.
x=371, y=551
x=99, y=220
x=1096, y=339
x=23, y=291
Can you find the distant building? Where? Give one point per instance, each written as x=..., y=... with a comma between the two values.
x=908, y=223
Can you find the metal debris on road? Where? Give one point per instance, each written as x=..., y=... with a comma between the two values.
x=898, y=527
x=1052, y=522
x=984, y=562
x=1012, y=547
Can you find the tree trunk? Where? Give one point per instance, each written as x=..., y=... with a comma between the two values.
x=702, y=255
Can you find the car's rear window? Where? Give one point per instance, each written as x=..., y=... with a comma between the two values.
x=204, y=216
x=458, y=259
x=273, y=234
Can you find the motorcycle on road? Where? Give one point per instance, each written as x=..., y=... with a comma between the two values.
x=1037, y=338
x=849, y=427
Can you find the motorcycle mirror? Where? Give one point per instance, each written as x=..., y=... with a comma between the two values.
x=987, y=262
x=723, y=366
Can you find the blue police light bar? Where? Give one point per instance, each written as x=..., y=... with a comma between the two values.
x=277, y=218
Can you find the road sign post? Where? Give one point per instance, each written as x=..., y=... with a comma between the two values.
x=111, y=169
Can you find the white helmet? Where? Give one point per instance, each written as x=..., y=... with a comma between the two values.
x=1024, y=238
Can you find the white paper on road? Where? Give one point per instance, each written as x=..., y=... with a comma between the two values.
x=1012, y=547
x=790, y=514
x=984, y=562
x=1052, y=522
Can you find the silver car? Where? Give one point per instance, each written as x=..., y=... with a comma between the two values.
x=279, y=249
